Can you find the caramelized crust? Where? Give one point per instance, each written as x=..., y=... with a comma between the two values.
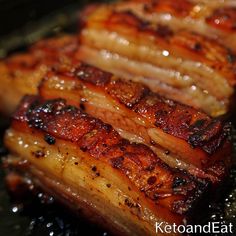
x=176, y=119
x=56, y=120
x=191, y=135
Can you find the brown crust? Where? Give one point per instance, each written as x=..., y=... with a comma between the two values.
x=168, y=187
x=178, y=120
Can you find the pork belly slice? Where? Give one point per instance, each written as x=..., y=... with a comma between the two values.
x=21, y=73
x=153, y=54
x=180, y=135
x=190, y=95
x=213, y=19
x=91, y=161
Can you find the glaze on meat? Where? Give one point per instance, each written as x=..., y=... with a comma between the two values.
x=133, y=108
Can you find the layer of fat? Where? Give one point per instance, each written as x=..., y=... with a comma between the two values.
x=190, y=72
x=195, y=22
x=136, y=128
x=67, y=164
x=130, y=69
x=165, y=155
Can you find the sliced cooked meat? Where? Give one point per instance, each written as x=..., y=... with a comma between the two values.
x=64, y=148
x=184, y=66
x=181, y=136
x=213, y=19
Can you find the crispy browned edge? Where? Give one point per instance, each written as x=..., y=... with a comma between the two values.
x=179, y=192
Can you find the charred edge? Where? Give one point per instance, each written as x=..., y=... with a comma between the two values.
x=127, y=93
x=36, y=108
x=214, y=144
x=198, y=125
x=200, y=189
x=117, y=162
x=49, y=139
x=202, y=136
x=172, y=117
x=128, y=158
